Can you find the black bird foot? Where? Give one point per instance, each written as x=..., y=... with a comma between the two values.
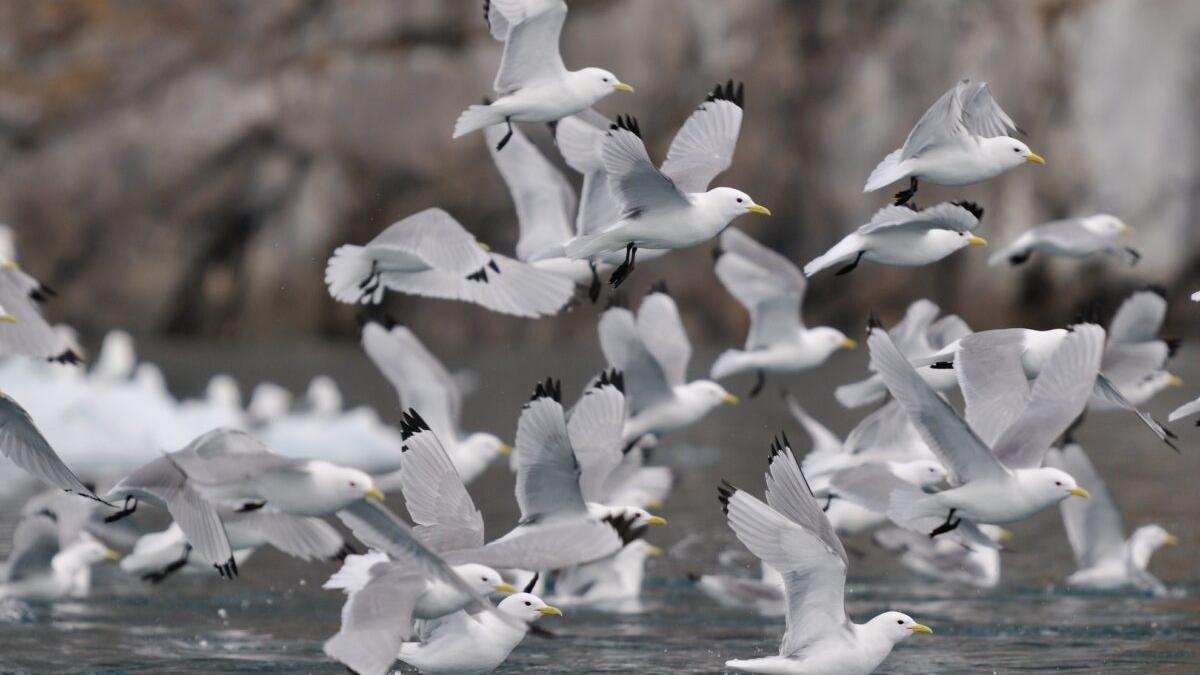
x=759, y=383
x=828, y=502
x=850, y=268
x=622, y=272
x=903, y=196
x=594, y=288
x=1019, y=258
x=504, y=141
x=251, y=506
x=161, y=575
x=127, y=510
x=948, y=526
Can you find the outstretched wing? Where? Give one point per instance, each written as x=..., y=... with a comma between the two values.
x=547, y=473
x=530, y=30
x=580, y=139
x=661, y=331
x=417, y=375
x=21, y=442
x=981, y=115
x=704, y=145
x=434, y=494
x=376, y=619
x=633, y=178
x=645, y=380
x=992, y=380
x=944, y=216
x=544, y=200
x=434, y=237
x=941, y=123
x=594, y=428
x=767, y=284
x=1138, y=319
x=1093, y=525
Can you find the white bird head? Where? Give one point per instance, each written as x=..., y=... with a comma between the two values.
x=483, y=579
x=897, y=626
x=706, y=393
x=920, y=472
x=1105, y=225
x=729, y=203
x=527, y=607
x=486, y=446
x=1009, y=152
x=340, y=486
x=223, y=391
x=829, y=339
x=85, y=552
x=1053, y=485
x=269, y=402
x=1151, y=538
x=637, y=516
x=324, y=396
x=950, y=241
x=596, y=83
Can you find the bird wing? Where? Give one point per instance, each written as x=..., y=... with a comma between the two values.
x=814, y=576
x=992, y=380
x=34, y=545
x=645, y=380
x=25, y=446
x=553, y=544
x=766, y=284
x=703, y=147
x=824, y=441
x=944, y=216
x=910, y=334
x=225, y=463
x=421, y=380
x=594, y=429
x=1126, y=364
x=377, y=619
x=434, y=494
x=948, y=436
x=661, y=331
x=1138, y=319
x=28, y=333
x=580, y=138
x=981, y=115
x=436, y=238
x=302, y=537
x=544, y=200
x=946, y=330
x=531, y=52
x=869, y=484
x=1093, y=525
x=633, y=178
x=1060, y=394
x=788, y=493
x=520, y=289
x=942, y=123
x=547, y=472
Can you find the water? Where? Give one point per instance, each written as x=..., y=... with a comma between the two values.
x=275, y=617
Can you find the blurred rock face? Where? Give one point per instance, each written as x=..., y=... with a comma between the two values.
x=187, y=166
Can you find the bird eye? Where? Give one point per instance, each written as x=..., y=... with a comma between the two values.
x=606, y=79
x=353, y=484
x=1016, y=149
x=739, y=200
x=1058, y=482
x=528, y=603
x=900, y=622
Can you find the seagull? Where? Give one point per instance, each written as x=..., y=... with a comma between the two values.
x=1106, y=560
x=430, y=254
x=1071, y=238
x=533, y=84
x=558, y=528
x=480, y=642
x=919, y=333
x=385, y=596
x=25, y=446
x=962, y=139
x=652, y=350
x=771, y=289
x=995, y=455
x=671, y=208
x=763, y=595
x=23, y=330
x=1135, y=357
x=791, y=534
x=424, y=383
x=904, y=237
x=613, y=583
x=946, y=560
x=40, y=568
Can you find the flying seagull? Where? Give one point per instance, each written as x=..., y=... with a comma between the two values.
x=1071, y=238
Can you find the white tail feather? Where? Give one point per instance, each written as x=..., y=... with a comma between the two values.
x=476, y=117
x=914, y=509
x=347, y=269
x=858, y=394
x=843, y=251
x=355, y=572
x=730, y=362
x=890, y=170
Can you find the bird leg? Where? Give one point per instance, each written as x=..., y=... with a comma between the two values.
x=622, y=273
x=759, y=383
x=594, y=288
x=850, y=268
x=251, y=506
x=828, y=502
x=903, y=196
x=504, y=141
x=1019, y=258
x=127, y=509
x=159, y=576
x=949, y=525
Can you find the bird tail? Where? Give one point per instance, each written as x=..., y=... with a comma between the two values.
x=588, y=245
x=730, y=362
x=890, y=170
x=913, y=508
x=476, y=117
x=858, y=394
x=843, y=251
x=351, y=276
x=355, y=572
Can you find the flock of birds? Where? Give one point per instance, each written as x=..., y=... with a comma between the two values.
x=933, y=484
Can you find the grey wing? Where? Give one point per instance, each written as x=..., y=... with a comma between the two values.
x=1126, y=364
x=766, y=284
x=704, y=145
x=1185, y=410
x=1060, y=393
x=435, y=496
x=1093, y=525
x=531, y=53
x=661, y=330
x=580, y=138
x=28, y=333
x=788, y=493
x=645, y=381
x=869, y=485
x=594, y=428
x=825, y=442
x=993, y=383
x=1107, y=391
x=1138, y=319
x=376, y=620
x=547, y=472
x=947, y=329
x=554, y=544
x=814, y=577
x=944, y=216
x=34, y=545
x=941, y=124
x=981, y=115
x=544, y=200
x=434, y=237
x=634, y=179
x=417, y=375
x=302, y=537
x=956, y=446
x=21, y=442
x=911, y=333
x=224, y=461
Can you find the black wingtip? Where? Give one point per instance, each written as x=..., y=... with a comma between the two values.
x=480, y=275
x=873, y=321
x=975, y=209
x=717, y=252
x=69, y=357
x=613, y=378
x=551, y=388
x=411, y=424
x=734, y=93
x=628, y=123
x=725, y=492
x=1173, y=345
x=659, y=286
x=1133, y=252
x=532, y=583
x=618, y=300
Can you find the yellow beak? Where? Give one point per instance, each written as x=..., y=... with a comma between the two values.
x=1125, y=229
x=759, y=209
x=1079, y=492
x=374, y=493
x=505, y=588
x=484, y=246
x=1005, y=535
x=551, y=609
x=1175, y=381
x=505, y=449
x=847, y=343
x=922, y=628
x=1034, y=158
x=654, y=551
x=111, y=555
x=9, y=265
x=7, y=318
x=730, y=399
x=621, y=86
x=1171, y=540
x=656, y=520
x=975, y=240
